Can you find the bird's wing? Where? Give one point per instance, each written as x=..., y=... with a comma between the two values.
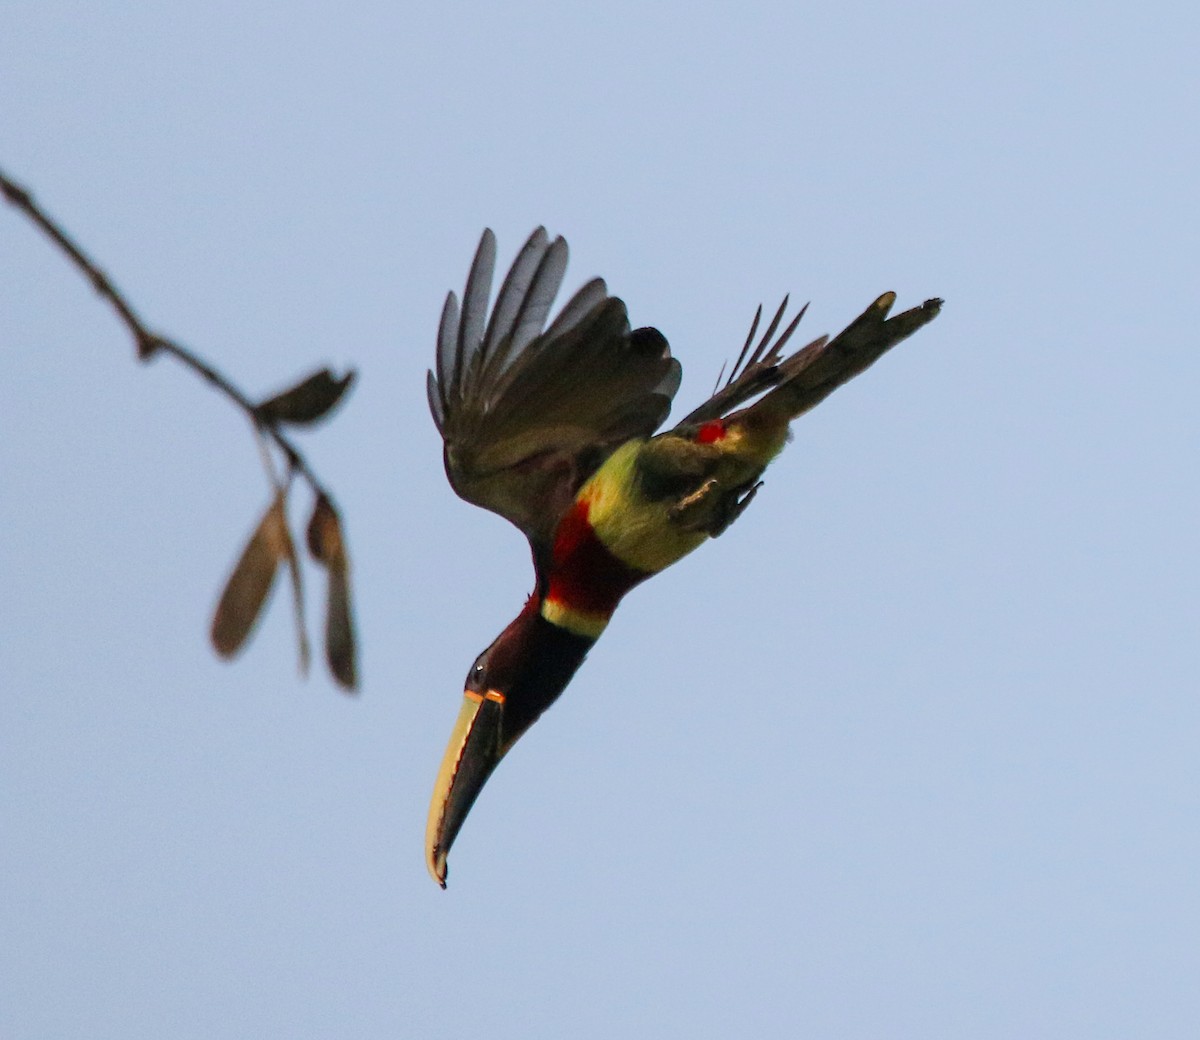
x=527, y=412
x=755, y=370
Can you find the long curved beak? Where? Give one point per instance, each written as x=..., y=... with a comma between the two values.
x=473, y=752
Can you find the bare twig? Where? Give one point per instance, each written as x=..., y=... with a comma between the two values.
x=246, y=592
x=150, y=343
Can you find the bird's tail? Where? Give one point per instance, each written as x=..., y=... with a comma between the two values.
x=812, y=374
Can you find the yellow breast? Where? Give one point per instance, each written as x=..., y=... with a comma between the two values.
x=636, y=530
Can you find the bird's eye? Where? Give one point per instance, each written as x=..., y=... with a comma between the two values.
x=477, y=674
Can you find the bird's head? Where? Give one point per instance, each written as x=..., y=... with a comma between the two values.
x=508, y=686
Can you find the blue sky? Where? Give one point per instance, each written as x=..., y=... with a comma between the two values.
x=910, y=753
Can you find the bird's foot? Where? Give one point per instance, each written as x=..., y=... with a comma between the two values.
x=691, y=512
x=731, y=508
x=711, y=508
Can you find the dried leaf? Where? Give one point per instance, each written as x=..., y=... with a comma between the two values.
x=248, y=586
x=324, y=533
x=306, y=402
x=328, y=547
x=289, y=554
x=340, y=649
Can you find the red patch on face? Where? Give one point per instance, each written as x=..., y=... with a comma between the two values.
x=710, y=432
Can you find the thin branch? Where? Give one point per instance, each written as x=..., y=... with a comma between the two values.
x=149, y=343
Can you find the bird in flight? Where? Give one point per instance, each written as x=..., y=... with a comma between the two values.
x=554, y=429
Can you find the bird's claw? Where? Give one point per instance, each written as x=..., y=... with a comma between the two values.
x=731, y=508
x=691, y=512
x=711, y=509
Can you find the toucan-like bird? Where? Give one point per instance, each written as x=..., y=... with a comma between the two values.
x=553, y=428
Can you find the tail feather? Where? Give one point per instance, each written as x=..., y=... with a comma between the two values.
x=812, y=374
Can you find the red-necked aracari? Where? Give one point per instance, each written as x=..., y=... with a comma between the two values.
x=553, y=428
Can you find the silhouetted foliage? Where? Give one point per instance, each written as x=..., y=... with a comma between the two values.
x=327, y=546
x=308, y=401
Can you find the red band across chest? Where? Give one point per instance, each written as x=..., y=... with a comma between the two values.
x=585, y=576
